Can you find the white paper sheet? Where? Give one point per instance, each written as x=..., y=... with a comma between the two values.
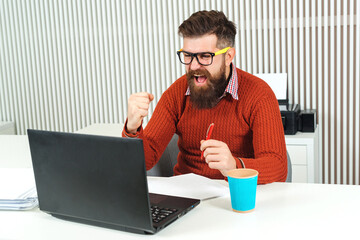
x=187, y=185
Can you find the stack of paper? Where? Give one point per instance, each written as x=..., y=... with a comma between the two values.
x=201, y=187
x=17, y=189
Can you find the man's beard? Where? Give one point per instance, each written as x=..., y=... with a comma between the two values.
x=207, y=96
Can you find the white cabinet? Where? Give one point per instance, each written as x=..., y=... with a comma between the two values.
x=7, y=128
x=303, y=151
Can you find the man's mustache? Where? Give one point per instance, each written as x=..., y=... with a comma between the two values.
x=192, y=73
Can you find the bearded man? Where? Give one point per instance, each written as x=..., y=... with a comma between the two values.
x=248, y=130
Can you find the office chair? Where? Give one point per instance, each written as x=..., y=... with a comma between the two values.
x=165, y=165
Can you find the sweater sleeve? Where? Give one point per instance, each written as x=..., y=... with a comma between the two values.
x=270, y=158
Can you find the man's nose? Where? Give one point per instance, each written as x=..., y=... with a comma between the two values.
x=194, y=65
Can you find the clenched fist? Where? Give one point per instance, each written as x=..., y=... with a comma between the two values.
x=138, y=108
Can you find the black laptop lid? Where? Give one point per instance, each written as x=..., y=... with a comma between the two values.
x=89, y=177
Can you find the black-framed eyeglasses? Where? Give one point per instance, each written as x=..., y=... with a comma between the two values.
x=203, y=58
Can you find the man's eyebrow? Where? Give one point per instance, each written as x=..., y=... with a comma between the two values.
x=206, y=51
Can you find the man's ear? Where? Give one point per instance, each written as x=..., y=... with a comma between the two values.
x=229, y=56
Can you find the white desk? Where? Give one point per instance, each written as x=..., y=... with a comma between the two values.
x=14, y=152
x=283, y=211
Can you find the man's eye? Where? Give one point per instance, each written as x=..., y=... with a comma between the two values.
x=187, y=55
x=205, y=56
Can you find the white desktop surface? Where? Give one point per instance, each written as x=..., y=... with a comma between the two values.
x=14, y=152
x=283, y=211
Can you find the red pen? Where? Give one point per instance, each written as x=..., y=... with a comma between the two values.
x=208, y=135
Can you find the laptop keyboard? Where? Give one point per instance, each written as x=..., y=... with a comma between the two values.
x=159, y=214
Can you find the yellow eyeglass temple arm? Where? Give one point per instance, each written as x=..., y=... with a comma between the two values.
x=222, y=51
x=218, y=52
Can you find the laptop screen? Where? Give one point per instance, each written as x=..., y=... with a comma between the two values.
x=94, y=178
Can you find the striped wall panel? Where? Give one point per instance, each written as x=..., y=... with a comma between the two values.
x=65, y=64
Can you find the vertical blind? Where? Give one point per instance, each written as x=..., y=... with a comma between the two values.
x=66, y=64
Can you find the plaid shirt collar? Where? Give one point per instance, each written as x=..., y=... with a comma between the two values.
x=232, y=87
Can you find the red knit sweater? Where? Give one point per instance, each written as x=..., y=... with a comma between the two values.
x=250, y=126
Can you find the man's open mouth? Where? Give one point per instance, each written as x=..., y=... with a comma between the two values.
x=200, y=80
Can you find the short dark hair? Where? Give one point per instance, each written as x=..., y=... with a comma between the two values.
x=209, y=22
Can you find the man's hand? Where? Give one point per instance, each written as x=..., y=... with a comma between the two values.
x=218, y=156
x=138, y=108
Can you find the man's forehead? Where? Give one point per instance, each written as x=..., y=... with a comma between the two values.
x=200, y=43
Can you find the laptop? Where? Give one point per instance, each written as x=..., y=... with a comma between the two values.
x=101, y=181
